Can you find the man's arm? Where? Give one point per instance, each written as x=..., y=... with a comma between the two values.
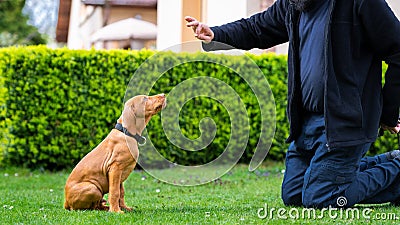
x=383, y=32
x=262, y=30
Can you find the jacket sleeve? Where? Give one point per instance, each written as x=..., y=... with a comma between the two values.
x=383, y=31
x=262, y=30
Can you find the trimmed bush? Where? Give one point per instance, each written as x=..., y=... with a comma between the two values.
x=57, y=105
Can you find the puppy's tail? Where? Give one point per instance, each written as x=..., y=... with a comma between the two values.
x=66, y=205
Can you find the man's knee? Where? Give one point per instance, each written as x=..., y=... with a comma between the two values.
x=319, y=196
x=309, y=200
x=291, y=200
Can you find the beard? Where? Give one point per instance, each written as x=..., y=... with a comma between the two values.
x=303, y=5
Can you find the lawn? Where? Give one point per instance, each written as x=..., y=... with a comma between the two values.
x=239, y=197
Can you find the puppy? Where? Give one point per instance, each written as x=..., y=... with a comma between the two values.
x=106, y=167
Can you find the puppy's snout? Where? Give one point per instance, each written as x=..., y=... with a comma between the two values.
x=164, y=100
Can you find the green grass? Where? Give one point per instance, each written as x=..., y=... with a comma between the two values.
x=37, y=198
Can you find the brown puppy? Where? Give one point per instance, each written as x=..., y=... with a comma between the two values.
x=106, y=167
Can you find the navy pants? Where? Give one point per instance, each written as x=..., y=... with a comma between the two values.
x=317, y=176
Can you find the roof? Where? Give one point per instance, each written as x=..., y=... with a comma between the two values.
x=136, y=3
x=126, y=29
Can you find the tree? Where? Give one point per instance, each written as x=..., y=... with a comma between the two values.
x=43, y=14
x=14, y=29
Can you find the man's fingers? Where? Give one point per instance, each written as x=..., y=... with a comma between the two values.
x=397, y=129
x=189, y=18
x=199, y=29
x=205, y=38
x=203, y=29
x=192, y=24
x=392, y=130
x=191, y=21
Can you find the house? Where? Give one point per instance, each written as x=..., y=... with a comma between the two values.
x=84, y=24
x=156, y=24
x=107, y=24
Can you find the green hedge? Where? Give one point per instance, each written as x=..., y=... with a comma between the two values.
x=56, y=105
x=60, y=103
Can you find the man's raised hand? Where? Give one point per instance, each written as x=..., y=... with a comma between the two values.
x=201, y=31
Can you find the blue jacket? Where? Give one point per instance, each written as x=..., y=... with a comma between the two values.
x=360, y=35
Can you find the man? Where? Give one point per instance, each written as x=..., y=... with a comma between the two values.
x=336, y=102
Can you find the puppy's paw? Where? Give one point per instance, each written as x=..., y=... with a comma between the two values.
x=116, y=210
x=126, y=208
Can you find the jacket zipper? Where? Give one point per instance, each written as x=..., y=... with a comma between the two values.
x=294, y=45
x=327, y=34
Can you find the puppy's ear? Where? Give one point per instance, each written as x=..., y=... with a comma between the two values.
x=132, y=108
x=128, y=114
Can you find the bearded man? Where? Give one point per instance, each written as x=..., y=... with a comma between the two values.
x=336, y=101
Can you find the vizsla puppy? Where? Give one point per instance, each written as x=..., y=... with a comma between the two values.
x=106, y=167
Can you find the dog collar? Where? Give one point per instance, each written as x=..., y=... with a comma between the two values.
x=140, y=139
